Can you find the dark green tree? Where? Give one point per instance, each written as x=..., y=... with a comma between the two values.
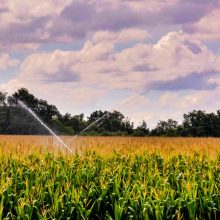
x=141, y=130
x=3, y=99
x=165, y=128
x=15, y=120
x=194, y=123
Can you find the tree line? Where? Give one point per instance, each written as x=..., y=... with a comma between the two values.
x=15, y=120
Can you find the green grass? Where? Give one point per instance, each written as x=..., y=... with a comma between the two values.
x=111, y=187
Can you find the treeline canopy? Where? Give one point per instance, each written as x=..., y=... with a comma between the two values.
x=16, y=120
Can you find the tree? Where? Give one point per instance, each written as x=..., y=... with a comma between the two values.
x=15, y=120
x=4, y=113
x=96, y=115
x=3, y=99
x=24, y=96
x=110, y=123
x=76, y=123
x=166, y=128
x=195, y=123
x=142, y=129
x=115, y=121
x=45, y=111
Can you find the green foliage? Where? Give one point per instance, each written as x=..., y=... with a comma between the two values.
x=166, y=128
x=141, y=130
x=200, y=124
x=13, y=120
x=117, y=187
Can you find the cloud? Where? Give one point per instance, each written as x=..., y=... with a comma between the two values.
x=171, y=104
x=207, y=28
x=175, y=62
x=134, y=102
x=185, y=12
x=26, y=24
x=30, y=24
x=7, y=62
x=124, y=36
x=48, y=68
x=182, y=103
x=118, y=15
x=175, y=59
x=170, y=68
x=194, y=81
x=121, y=54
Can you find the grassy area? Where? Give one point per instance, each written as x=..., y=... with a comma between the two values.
x=110, y=178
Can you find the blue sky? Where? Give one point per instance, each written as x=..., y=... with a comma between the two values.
x=152, y=60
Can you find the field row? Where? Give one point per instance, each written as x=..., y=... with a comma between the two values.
x=110, y=179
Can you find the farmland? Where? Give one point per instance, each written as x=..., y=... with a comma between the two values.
x=109, y=178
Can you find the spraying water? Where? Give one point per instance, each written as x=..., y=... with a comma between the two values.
x=99, y=119
x=92, y=124
x=95, y=122
x=43, y=124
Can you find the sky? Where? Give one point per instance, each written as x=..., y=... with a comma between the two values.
x=150, y=59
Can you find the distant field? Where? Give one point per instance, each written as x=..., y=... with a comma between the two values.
x=109, y=178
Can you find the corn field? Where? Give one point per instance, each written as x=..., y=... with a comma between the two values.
x=109, y=178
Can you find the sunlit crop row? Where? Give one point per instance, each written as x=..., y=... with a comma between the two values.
x=109, y=178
